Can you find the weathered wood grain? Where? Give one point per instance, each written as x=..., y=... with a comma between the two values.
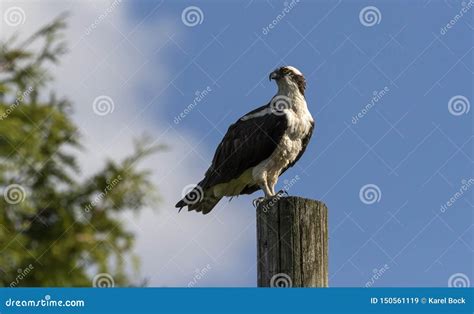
x=292, y=240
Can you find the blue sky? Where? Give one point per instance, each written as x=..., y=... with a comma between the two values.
x=408, y=143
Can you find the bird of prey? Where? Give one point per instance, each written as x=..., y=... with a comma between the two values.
x=259, y=147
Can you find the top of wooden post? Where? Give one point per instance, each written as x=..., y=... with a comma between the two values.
x=292, y=240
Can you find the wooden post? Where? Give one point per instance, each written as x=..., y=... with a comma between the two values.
x=292, y=240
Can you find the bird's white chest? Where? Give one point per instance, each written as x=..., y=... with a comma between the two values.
x=299, y=122
x=291, y=143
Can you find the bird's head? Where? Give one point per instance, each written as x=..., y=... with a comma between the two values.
x=289, y=77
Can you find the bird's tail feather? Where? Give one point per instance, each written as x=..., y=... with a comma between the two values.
x=203, y=203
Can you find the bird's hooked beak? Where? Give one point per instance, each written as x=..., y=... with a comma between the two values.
x=274, y=76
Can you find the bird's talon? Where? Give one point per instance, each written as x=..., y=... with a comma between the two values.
x=257, y=201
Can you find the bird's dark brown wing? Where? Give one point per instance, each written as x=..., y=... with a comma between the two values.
x=246, y=143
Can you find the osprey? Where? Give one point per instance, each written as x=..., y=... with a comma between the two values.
x=259, y=147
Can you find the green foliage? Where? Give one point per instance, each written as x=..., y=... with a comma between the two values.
x=57, y=230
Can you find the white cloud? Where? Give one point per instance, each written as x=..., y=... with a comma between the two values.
x=103, y=62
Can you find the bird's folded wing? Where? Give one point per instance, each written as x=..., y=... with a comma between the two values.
x=249, y=141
